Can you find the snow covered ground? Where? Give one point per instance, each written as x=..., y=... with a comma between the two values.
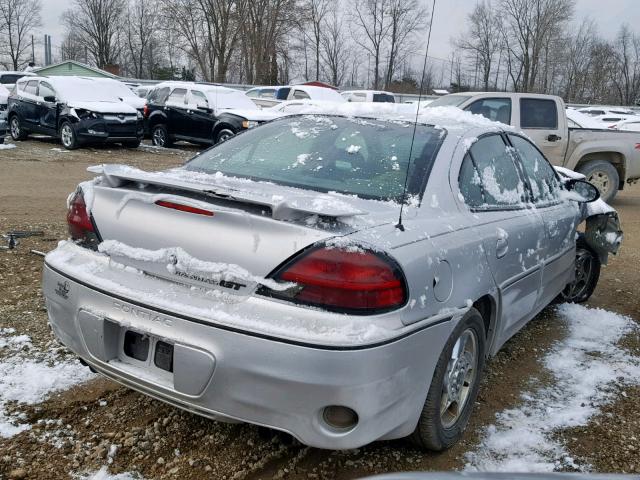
x=28, y=376
x=585, y=365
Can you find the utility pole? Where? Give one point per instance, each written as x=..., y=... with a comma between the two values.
x=33, y=50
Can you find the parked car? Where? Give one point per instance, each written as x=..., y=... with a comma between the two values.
x=289, y=277
x=368, y=96
x=4, y=95
x=270, y=96
x=73, y=109
x=198, y=113
x=609, y=159
x=600, y=111
x=290, y=107
x=120, y=91
x=9, y=78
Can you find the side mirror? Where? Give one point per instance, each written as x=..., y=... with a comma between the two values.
x=204, y=109
x=582, y=191
x=50, y=99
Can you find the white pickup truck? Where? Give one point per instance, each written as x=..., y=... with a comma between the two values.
x=608, y=158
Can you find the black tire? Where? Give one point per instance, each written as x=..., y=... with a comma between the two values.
x=15, y=128
x=603, y=176
x=132, y=143
x=587, y=275
x=439, y=429
x=160, y=136
x=224, y=134
x=68, y=136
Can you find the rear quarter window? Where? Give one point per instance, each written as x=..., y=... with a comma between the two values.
x=538, y=113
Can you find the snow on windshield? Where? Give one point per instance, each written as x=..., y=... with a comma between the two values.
x=364, y=157
x=73, y=89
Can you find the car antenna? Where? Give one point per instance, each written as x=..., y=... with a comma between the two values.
x=399, y=225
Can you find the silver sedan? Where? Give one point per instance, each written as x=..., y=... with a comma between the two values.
x=339, y=278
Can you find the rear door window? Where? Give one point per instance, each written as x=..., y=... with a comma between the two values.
x=470, y=184
x=300, y=95
x=159, y=95
x=541, y=175
x=502, y=185
x=177, y=97
x=32, y=87
x=495, y=109
x=538, y=113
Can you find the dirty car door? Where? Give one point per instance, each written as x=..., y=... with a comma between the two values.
x=511, y=231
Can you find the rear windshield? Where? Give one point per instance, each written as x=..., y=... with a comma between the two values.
x=383, y=98
x=449, y=101
x=9, y=79
x=363, y=157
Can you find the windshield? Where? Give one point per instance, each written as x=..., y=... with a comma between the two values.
x=449, y=101
x=363, y=157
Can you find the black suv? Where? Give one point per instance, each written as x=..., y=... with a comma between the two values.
x=76, y=110
x=199, y=113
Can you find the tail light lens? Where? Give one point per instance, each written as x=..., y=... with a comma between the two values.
x=145, y=111
x=81, y=227
x=362, y=282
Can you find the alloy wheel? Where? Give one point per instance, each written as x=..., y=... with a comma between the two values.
x=15, y=128
x=159, y=138
x=459, y=378
x=66, y=135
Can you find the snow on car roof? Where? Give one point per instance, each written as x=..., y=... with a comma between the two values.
x=320, y=93
x=78, y=89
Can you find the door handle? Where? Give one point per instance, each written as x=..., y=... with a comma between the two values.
x=553, y=138
x=502, y=244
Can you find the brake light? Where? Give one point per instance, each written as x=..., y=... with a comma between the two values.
x=184, y=208
x=80, y=225
x=145, y=111
x=360, y=281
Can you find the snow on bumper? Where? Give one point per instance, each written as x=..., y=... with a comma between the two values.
x=223, y=372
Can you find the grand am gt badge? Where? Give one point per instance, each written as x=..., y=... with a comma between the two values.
x=62, y=289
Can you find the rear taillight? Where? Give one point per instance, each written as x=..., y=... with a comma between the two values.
x=81, y=226
x=359, y=281
x=145, y=111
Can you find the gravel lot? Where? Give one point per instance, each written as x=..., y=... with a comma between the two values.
x=101, y=425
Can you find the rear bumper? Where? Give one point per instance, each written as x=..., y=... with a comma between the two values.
x=239, y=376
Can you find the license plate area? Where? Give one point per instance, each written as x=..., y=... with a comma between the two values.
x=146, y=351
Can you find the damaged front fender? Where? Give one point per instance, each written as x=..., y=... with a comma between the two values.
x=603, y=234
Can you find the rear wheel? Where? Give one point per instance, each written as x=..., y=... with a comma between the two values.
x=224, y=134
x=604, y=176
x=586, y=276
x=68, y=136
x=16, y=130
x=454, y=386
x=160, y=136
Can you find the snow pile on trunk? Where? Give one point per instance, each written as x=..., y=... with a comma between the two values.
x=583, y=364
x=28, y=376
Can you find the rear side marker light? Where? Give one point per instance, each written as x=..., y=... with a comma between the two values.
x=184, y=208
x=360, y=282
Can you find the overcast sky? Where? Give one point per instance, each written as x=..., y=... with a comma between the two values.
x=449, y=19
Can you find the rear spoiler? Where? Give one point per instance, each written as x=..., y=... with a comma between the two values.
x=283, y=205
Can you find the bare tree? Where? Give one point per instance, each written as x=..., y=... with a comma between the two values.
x=372, y=30
x=483, y=40
x=335, y=48
x=140, y=27
x=72, y=48
x=528, y=24
x=315, y=12
x=223, y=18
x=626, y=77
x=98, y=24
x=406, y=17
x=18, y=19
